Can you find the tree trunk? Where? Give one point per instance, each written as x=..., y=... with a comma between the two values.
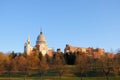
x=9, y=75
x=25, y=77
x=107, y=78
x=40, y=76
x=81, y=76
x=106, y=74
x=60, y=76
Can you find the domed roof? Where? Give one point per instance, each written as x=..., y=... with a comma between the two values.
x=41, y=38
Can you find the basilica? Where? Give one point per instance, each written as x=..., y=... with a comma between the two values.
x=41, y=46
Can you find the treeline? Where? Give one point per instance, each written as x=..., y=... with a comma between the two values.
x=82, y=64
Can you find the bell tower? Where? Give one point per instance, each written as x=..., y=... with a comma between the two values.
x=27, y=47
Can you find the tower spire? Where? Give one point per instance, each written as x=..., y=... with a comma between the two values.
x=41, y=30
x=28, y=40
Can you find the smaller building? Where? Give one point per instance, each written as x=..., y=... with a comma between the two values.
x=89, y=51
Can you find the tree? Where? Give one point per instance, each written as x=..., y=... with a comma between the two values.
x=32, y=63
x=42, y=66
x=59, y=63
x=8, y=65
x=2, y=59
x=116, y=67
x=82, y=65
x=48, y=59
x=116, y=64
x=22, y=64
x=106, y=65
x=12, y=55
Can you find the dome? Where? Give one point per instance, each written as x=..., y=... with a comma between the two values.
x=41, y=39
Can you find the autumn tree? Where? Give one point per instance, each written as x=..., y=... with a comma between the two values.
x=82, y=65
x=12, y=55
x=106, y=65
x=42, y=66
x=8, y=65
x=2, y=59
x=59, y=63
x=21, y=62
x=48, y=59
x=116, y=64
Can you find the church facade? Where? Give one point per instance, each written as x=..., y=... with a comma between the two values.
x=41, y=46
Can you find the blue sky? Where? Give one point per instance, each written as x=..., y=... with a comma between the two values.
x=83, y=23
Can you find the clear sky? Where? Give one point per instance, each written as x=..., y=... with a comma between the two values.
x=83, y=23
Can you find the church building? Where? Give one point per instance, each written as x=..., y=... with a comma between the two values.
x=41, y=46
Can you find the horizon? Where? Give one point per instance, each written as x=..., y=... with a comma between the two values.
x=78, y=23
